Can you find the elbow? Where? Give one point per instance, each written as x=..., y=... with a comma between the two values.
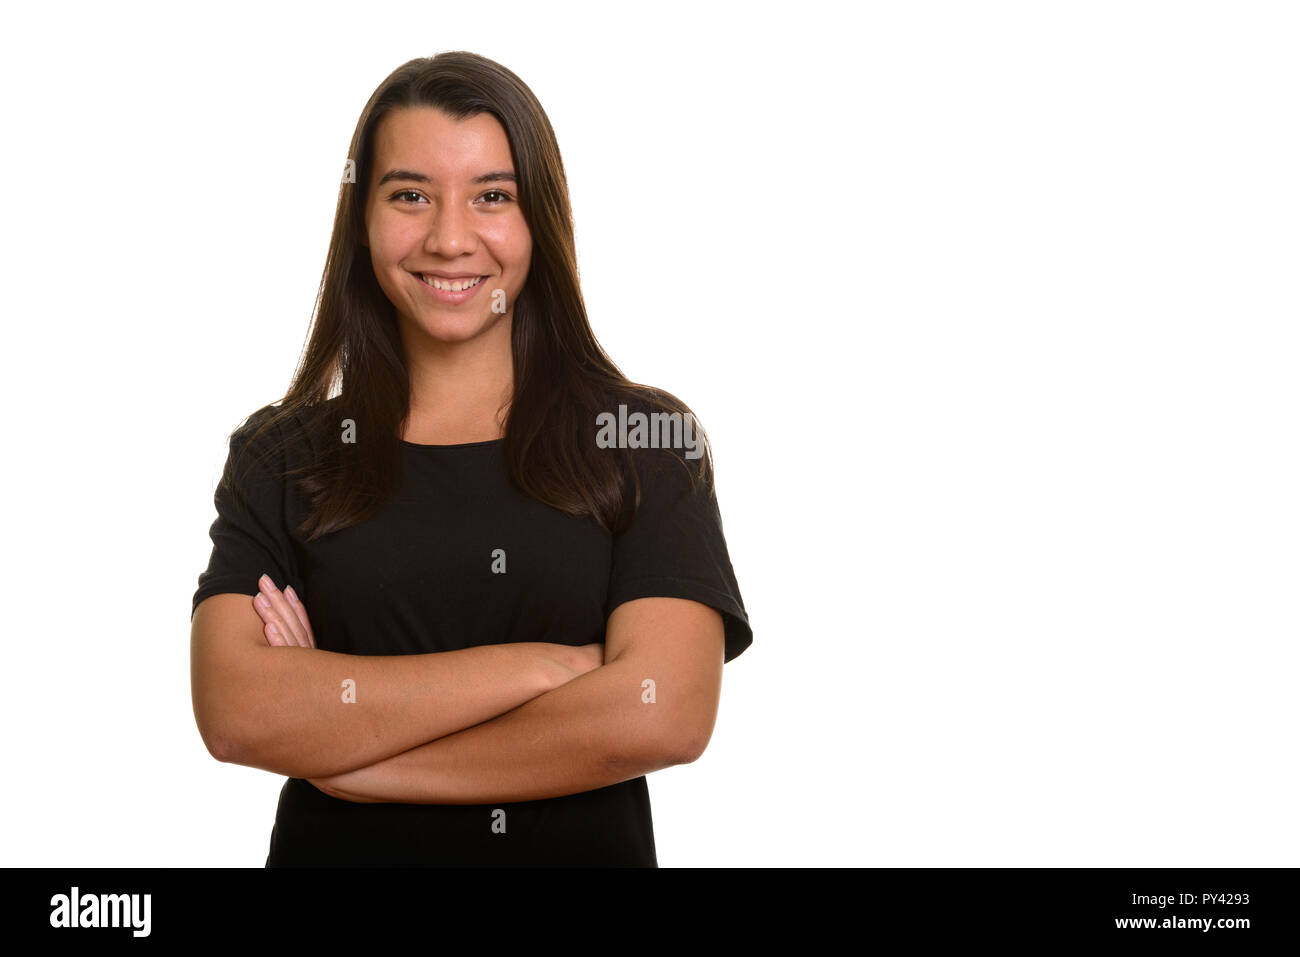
x=659, y=748
x=221, y=740
x=684, y=746
x=690, y=747
x=219, y=745
x=644, y=755
x=214, y=719
x=231, y=748
x=693, y=737
x=224, y=751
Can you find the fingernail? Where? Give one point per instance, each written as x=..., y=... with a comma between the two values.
x=265, y=581
x=263, y=601
x=288, y=590
x=273, y=630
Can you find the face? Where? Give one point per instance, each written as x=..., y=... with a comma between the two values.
x=442, y=211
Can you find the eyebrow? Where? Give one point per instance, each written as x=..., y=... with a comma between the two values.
x=496, y=176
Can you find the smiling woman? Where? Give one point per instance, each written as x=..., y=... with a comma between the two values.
x=474, y=628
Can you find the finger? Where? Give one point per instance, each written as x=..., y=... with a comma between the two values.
x=269, y=631
x=286, y=621
x=301, y=611
x=269, y=622
x=300, y=614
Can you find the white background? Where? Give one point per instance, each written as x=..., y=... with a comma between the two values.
x=990, y=312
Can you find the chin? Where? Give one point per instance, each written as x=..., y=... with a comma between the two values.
x=455, y=330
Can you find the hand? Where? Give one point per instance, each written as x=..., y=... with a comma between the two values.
x=577, y=660
x=283, y=615
x=562, y=663
x=589, y=657
x=337, y=786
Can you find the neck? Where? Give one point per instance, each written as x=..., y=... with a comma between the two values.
x=460, y=388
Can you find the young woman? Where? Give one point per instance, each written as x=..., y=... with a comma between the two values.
x=490, y=588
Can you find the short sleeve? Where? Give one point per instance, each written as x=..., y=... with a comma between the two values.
x=250, y=536
x=674, y=547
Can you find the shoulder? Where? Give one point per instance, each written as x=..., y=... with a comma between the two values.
x=661, y=438
x=256, y=432
x=642, y=398
x=275, y=436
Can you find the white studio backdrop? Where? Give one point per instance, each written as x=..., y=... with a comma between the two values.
x=990, y=312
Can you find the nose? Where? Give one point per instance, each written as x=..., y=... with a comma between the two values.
x=450, y=232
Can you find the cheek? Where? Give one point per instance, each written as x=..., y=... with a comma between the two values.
x=520, y=253
x=511, y=244
x=390, y=241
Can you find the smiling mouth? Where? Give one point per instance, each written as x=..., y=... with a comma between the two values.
x=450, y=285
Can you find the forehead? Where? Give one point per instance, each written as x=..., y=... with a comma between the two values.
x=429, y=141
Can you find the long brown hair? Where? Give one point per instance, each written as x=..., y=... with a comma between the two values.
x=562, y=377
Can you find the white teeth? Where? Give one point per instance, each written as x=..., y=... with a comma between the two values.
x=453, y=285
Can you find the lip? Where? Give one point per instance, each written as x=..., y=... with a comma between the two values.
x=446, y=296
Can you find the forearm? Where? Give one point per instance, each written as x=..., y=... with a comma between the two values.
x=592, y=732
x=303, y=712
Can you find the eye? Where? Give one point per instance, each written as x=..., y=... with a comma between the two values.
x=406, y=192
x=505, y=197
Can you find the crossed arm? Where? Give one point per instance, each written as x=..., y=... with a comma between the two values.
x=650, y=705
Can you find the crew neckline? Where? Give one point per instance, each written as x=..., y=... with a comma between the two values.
x=461, y=445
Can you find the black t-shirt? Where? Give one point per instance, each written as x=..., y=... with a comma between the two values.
x=419, y=577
